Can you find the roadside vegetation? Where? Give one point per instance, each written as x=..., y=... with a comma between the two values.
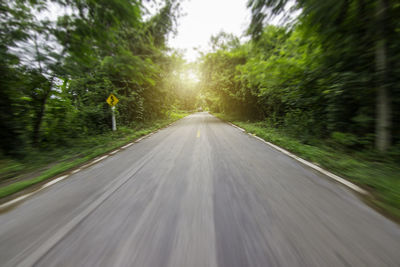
x=325, y=84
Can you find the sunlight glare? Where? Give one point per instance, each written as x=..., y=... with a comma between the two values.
x=190, y=76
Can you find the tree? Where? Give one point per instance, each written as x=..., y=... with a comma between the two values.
x=346, y=27
x=56, y=75
x=16, y=22
x=383, y=104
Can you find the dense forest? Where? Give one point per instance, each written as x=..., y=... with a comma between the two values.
x=329, y=72
x=332, y=73
x=60, y=60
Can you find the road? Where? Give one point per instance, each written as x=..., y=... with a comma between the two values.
x=198, y=193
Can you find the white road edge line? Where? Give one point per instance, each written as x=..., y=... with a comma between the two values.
x=309, y=164
x=43, y=248
x=99, y=159
x=128, y=145
x=237, y=127
x=115, y=151
x=18, y=199
x=54, y=181
x=75, y=171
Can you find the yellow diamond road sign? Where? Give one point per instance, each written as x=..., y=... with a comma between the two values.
x=112, y=100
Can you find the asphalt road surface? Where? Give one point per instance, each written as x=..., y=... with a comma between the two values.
x=198, y=193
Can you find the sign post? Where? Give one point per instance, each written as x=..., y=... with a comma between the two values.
x=112, y=100
x=114, y=123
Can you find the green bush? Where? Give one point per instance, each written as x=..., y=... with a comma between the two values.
x=345, y=139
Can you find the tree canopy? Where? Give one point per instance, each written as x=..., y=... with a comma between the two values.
x=332, y=73
x=57, y=73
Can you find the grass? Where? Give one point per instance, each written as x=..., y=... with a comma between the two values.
x=378, y=175
x=40, y=166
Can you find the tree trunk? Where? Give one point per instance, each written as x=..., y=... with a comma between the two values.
x=383, y=105
x=39, y=118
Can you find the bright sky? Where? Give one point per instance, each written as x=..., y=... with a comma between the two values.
x=204, y=18
x=200, y=20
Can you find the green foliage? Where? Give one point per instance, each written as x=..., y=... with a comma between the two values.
x=221, y=84
x=314, y=77
x=55, y=86
x=345, y=139
x=357, y=63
